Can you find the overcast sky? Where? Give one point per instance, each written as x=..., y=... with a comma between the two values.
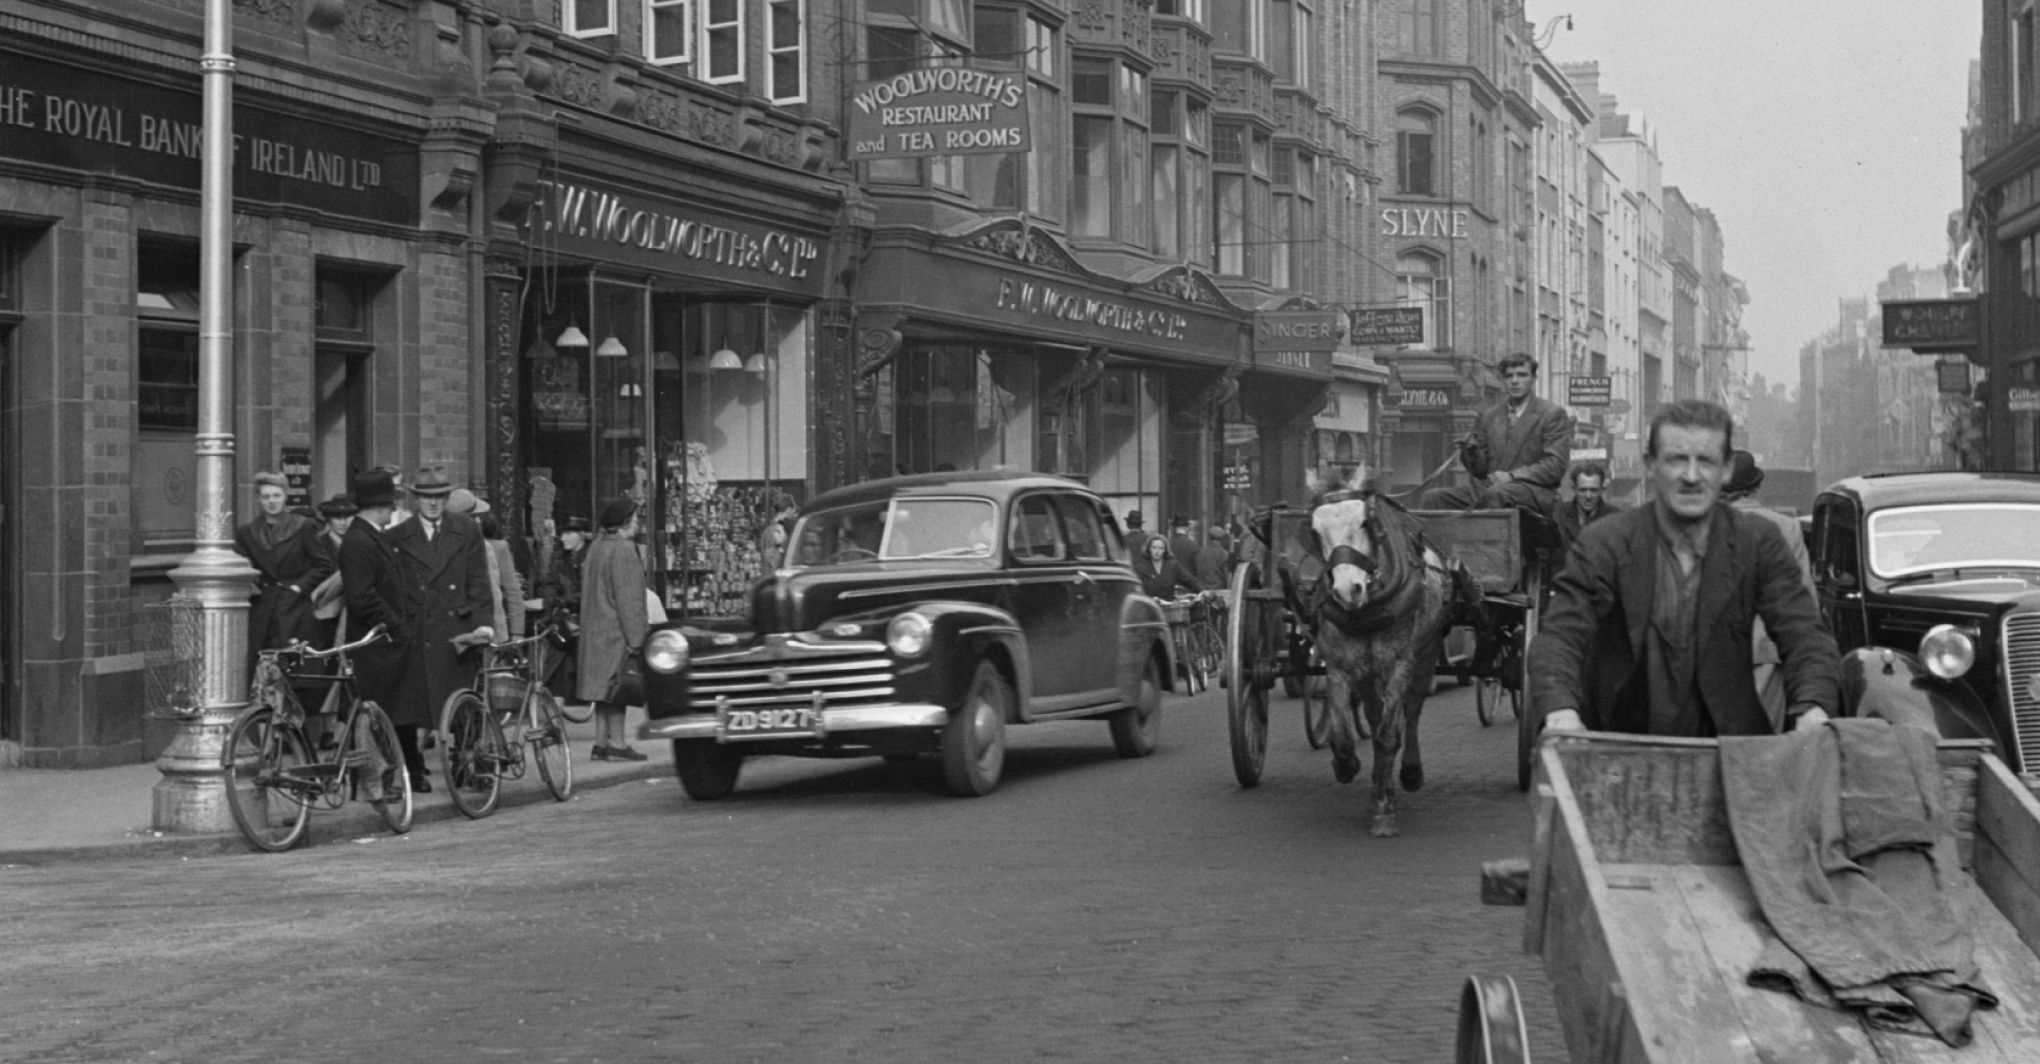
x=1824, y=134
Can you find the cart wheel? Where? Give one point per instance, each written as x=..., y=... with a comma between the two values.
x=1491, y=1028
x=1249, y=668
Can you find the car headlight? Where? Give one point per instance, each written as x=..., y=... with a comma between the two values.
x=1948, y=651
x=666, y=651
x=908, y=635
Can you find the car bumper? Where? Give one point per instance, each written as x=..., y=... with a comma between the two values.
x=701, y=726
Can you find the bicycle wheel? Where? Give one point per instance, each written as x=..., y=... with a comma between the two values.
x=548, y=745
x=469, y=748
x=265, y=760
x=396, y=807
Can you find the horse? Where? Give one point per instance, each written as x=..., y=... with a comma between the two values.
x=1380, y=606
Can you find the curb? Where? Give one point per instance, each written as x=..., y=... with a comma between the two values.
x=351, y=821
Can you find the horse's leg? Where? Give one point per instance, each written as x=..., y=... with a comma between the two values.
x=1339, y=694
x=1384, y=709
x=1423, y=666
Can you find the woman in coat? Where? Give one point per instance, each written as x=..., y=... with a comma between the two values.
x=1159, y=574
x=290, y=562
x=613, y=623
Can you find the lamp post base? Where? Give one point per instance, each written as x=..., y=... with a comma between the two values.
x=191, y=798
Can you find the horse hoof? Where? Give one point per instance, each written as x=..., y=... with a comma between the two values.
x=1385, y=827
x=1412, y=777
x=1345, y=767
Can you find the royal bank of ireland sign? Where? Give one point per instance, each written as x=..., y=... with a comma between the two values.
x=951, y=110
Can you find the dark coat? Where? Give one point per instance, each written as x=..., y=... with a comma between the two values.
x=1588, y=653
x=1162, y=581
x=289, y=566
x=375, y=589
x=448, y=595
x=1567, y=515
x=1533, y=449
x=612, y=613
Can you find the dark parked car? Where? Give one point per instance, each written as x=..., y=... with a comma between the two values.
x=1934, y=580
x=919, y=614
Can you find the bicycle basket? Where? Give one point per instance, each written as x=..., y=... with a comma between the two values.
x=506, y=693
x=1176, y=612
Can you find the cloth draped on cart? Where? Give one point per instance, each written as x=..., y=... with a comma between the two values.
x=1847, y=843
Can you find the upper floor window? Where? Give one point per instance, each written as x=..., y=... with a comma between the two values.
x=1194, y=10
x=1108, y=150
x=669, y=31
x=1294, y=224
x=786, y=50
x=1241, y=26
x=722, y=41
x=1420, y=279
x=2020, y=46
x=590, y=18
x=1011, y=39
x=1415, y=165
x=905, y=35
x=1290, y=47
x=1241, y=201
x=1181, y=167
x=1421, y=34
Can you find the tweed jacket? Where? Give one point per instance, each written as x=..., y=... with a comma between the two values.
x=1588, y=654
x=1533, y=448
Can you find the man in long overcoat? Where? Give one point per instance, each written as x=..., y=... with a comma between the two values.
x=374, y=587
x=441, y=557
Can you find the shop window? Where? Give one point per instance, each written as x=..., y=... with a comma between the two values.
x=590, y=18
x=786, y=50
x=1416, y=168
x=722, y=41
x=669, y=32
x=960, y=408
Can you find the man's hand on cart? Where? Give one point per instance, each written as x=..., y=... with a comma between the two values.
x=1564, y=720
x=1811, y=717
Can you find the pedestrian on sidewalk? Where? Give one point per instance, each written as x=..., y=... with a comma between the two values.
x=506, y=583
x=328, y=602
x=447, y=611
x=290, y=562
x=613, y=623
x=376, y=591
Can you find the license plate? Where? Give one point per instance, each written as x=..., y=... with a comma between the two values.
x=759, y=723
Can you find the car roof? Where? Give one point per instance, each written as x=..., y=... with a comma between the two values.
x=998, y=485
x=1881, y=491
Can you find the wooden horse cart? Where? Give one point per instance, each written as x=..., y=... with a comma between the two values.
x=1648, y=927
x=1268, y=641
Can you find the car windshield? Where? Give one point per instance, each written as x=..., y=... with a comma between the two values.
x=1925, y=539
x=897, y=528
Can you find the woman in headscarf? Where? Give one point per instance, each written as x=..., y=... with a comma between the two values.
x=613, y=623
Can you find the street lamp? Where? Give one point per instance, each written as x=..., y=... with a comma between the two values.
x=192, y=796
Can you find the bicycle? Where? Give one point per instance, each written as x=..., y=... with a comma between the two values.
x=274, y=778
x=1200, y=654
x=509, y=688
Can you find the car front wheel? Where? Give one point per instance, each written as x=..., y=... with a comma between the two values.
x=1135, y=728
x=707, y=770
x=974, y=742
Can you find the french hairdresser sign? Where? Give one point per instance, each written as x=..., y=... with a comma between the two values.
x=951, y=110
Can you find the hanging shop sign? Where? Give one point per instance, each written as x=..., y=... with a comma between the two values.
x=1386, y=326
x=2022, y=400
x=1238, y=477
x=1952, y=376
x=1589, y=391
x=612, y=225
x=1297, y=341
x=78, y=119
x=950, y=110
x=1930, y=325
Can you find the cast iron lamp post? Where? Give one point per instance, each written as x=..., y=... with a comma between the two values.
x=191, y=796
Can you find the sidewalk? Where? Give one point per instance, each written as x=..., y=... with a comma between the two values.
x=59, y=815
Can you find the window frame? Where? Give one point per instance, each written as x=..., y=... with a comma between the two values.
x=709, y=28
x=1406, y=139
x=775, y=50
x=570, y=21
x=687, y=32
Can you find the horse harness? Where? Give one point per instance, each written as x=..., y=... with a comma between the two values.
x=1395, y=578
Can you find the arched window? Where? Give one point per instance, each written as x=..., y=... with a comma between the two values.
x=1420, y=279
x=1416, y=169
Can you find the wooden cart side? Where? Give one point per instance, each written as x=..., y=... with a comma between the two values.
x=2006, y=855
x=1567, y=897
x=1489, y=543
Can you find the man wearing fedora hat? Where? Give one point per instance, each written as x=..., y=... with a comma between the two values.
x=376, y=592
x=442, y=558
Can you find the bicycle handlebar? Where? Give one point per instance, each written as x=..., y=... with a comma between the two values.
x=302, y=649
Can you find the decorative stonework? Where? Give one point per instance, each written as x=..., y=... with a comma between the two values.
x=686, y=118
x=1093, y=17
x=579, y=86
x=1187, y=285
x=377, y=31
x=281, y=12
x=1031, y=246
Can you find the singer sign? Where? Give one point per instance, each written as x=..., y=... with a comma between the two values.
x=939, y=111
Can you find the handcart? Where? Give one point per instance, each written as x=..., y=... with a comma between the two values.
x=1648, y=927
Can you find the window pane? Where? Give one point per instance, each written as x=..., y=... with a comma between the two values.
x=167, y=391
x=1163, y=118
x=590, y=17
x=1168, y=200
x=787, y=46
x=998, y=35
x=1091, y=82
x=1045, y=164
x=1229, y=203
x=1279, y=243
x=672, y=32
x=1197, y=220
x=1091, y=176
x=1135, y=182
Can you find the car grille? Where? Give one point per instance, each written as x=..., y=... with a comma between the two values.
x=793, y=674
x=2022, y=661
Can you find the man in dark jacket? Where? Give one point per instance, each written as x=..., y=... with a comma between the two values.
x=1649, y=627
x=448, y=598
x=375, y=589
x=1527, y=442
x=1589, y=502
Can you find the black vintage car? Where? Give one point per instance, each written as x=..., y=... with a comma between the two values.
x=1932, y=580
x=919, y=614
